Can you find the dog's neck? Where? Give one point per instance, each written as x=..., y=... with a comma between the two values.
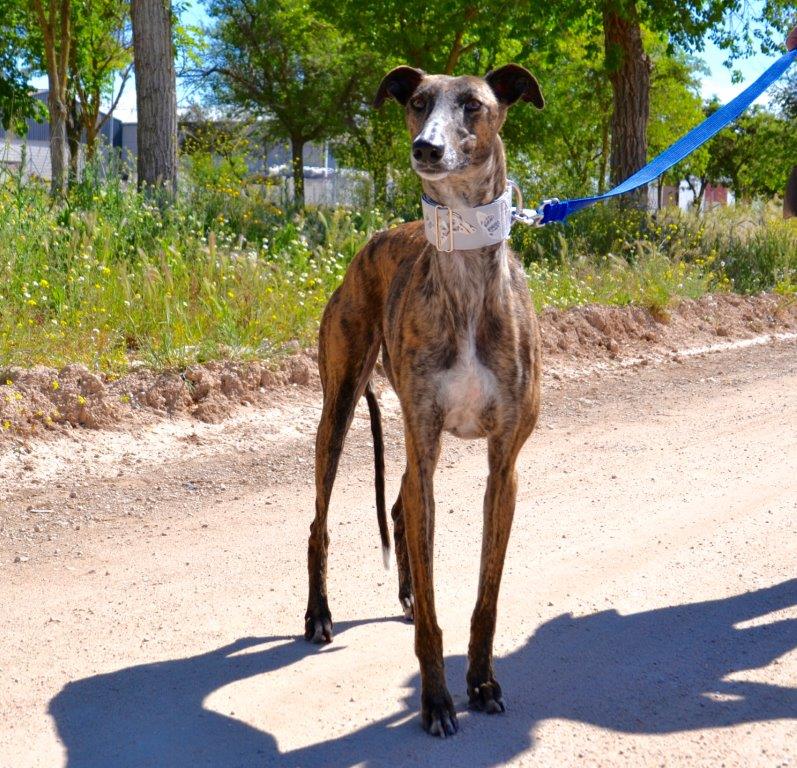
x=479, y=184
x=468, y=277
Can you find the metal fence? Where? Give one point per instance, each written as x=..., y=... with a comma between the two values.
x=30, y=159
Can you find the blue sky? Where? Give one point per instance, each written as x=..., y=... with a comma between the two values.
x=718, y=83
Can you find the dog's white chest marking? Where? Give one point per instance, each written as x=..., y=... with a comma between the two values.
x=466, y=390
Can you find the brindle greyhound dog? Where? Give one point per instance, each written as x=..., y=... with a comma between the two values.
x=460, y=345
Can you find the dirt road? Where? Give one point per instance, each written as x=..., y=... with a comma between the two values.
x=153, y=585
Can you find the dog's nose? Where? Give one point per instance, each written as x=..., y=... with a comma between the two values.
x=426, y=152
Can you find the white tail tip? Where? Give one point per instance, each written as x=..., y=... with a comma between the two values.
x=386, y=557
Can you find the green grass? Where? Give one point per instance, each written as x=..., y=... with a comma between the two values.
x=608, y=256
x=115, y=279
x=653, y=281
x=109, y=278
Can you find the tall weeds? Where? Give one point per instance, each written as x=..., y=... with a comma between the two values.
x=110, y=279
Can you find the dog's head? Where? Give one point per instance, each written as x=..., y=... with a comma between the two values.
x=454, y=121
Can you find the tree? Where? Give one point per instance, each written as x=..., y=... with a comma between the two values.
x=451, y=36
x=16, y=99
x=282, y=63
x=100, y=51
x=675, y=108
x=564, y=148
x=629, y=69
x=754, y=155
x=52, y=20
x=786, y=98
x=628, y=64
x=75, y=42
x=156, y=95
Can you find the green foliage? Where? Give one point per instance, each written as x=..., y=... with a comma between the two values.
x=279, y=61
x=745, y=249
x=675, y=106
x=653, y=281
x=785, y=96
x=291, y=68
x=683, y=25
x=100, y=50
x=110, y=278
x=754, y=155
x=451, y=37
x=563, y=149
x=233, y=270
x=16, y=101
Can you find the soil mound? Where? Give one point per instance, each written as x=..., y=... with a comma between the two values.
x=40, y=399
x=595, y=332
x=35, y=400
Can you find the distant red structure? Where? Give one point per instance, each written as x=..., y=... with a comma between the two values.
x=671, y=196
x=714, y=196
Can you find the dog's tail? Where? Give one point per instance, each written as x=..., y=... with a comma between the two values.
x=379, y=471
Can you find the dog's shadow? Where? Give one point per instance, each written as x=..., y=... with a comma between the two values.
x=654, y=672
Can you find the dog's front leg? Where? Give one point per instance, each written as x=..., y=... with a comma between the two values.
x=417, y=495
x=484, y=692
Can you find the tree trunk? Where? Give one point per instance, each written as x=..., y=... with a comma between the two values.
x=698, y=201
x=629, y=71
x=156, y=95
x=73, y=132
x=604, y=161
x=297, y=166
x=790, y=195
x=379, y=176
x=54, y=22
x=92, y=131
x=58, y=139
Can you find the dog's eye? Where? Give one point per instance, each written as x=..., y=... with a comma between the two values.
x=474, y=105
x=418, y=102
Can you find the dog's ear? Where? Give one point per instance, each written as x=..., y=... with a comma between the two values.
x=400, y=83
x=513, y=82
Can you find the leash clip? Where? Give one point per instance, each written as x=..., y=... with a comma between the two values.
x=528, y=216
x=541, y=208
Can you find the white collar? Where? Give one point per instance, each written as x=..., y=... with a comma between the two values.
x=463, y=229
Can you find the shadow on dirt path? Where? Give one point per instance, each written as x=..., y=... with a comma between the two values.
x=654, y=672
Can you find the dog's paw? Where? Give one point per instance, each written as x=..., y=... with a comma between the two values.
x=486, y=697
x=437, y=714
x=318, y=628
x=408, y=606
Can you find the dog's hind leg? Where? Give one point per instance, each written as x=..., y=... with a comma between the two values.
x=402, y=559
x=347, y=352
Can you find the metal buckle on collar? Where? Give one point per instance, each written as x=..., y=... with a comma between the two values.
x=439, y=247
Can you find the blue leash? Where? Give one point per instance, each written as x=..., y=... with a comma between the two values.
x=555, y=210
